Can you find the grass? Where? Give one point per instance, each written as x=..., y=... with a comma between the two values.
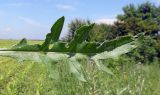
x=32, y=78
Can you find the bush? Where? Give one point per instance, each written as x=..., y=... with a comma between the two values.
x=147, y=50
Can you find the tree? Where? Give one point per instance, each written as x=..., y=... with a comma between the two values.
x=137, y=19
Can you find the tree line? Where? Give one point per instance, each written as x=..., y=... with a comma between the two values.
x=142, y=18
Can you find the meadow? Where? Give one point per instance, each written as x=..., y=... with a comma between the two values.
x=31, y=78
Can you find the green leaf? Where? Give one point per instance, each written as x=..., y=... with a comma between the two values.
x=87, y=47
x=111, y=54
x=23, y=46
x=53, y=71
x=80, y=56
x=21, y=56
x=57, y=56
x=50, y=60
x=23, y=42
x=116, y=52
x=112, y=44
x=80, y=35
x=54, y=35
x=59, y=47
x=51, y=65
x=73, y=52
x=35, y=47
x=75, y=68
x=102, y=67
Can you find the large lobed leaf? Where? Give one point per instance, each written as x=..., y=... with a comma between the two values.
x=98, y=58
x=112, y=44
x=123, y=49
x=80, y=36
x=23, y=42
x=77, y=49
x=75, y=68
x=51, y=58
x=23, y=46
x=54, y=35
x=59, y=47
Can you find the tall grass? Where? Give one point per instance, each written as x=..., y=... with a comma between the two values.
x=31, y=78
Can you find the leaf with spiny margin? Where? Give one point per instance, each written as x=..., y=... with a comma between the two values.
x=123, y=49
x=59, y=47
x=51, y=66
x=54, y=35
x=87, y=47
x=23, y=46
x=112, y=44
x=21, y=43
x=102, y=67
x=75, y=68
x=92, y=47
x=35, y=47
x=54, y=58
x=53, y=71
x=50, y=59
x=98, y=58
x=81, y=35
x=21, y=56
x=80, y=56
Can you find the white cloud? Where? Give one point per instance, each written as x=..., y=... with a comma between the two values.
x=65, y=7
x=105, y=20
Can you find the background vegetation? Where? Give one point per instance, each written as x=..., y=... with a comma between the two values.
x=144, y=18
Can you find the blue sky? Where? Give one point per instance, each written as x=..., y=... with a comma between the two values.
x=32, y=19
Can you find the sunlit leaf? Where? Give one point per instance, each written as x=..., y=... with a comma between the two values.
x=23, y=42
x=35, y=47
x=112, y=44
x=87, y=47
x=59, y=47
x=116, y=52
x=54, y=35
x=51, y=66
x=81, y=35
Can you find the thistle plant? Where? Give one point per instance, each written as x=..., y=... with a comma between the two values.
x=53, y=51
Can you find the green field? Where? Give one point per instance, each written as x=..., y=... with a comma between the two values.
x=31, y=78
